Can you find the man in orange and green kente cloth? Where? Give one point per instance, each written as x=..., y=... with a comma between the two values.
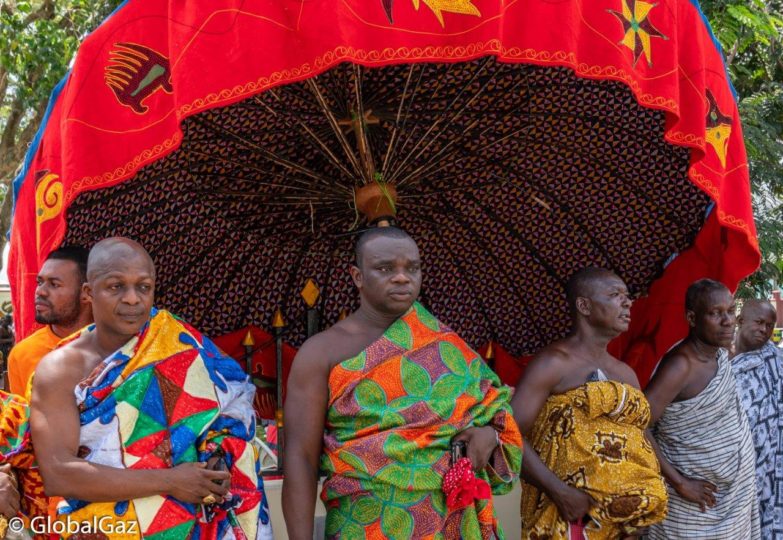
x=376, y=402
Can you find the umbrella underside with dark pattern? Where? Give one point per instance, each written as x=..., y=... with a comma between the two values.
x=510, y=177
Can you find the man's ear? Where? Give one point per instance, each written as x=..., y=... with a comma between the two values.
x=690, y=316
x=86, y=294
x=583, y=306
x=356, y=275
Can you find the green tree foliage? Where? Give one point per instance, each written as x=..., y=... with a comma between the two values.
x=751, y=33
x=38, y=39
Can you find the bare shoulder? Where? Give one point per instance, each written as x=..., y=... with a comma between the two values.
x=546, y=365
x=313, y=347
x=342, y=341
x=321, y=349
x=554, y=356
x=675, y=366
x=60, y=365
x=628, y=374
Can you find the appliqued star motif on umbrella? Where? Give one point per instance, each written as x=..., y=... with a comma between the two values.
x=438, y=7
x=638, y=28
x=718, y=129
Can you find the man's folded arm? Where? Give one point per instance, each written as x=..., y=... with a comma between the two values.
x=54, y=423
x=667, y=383
x=534, y=388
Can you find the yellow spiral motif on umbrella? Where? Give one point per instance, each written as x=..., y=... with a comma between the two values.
x=48, y=200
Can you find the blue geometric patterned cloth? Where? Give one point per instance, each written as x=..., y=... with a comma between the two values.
x=760, y=388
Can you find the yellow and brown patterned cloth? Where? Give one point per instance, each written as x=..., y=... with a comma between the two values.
x=592, y=437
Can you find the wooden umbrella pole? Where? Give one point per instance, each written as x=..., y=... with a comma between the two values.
x=278, y=324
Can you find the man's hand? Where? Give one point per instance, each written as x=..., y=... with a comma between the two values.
x=191, y=482
x=573, y=504
x=212, y=465
x=9, y=494
x=480, y=443
x=700, y=492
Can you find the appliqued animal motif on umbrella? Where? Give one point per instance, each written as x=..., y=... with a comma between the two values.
x=135, y=72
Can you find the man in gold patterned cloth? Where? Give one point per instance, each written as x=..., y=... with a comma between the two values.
x=584, y=414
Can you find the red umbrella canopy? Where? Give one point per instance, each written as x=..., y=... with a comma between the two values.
x=525, y=140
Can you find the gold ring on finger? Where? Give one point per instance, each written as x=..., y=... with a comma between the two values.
x=209, y=499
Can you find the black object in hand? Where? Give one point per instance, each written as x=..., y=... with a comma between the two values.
x=459, y=450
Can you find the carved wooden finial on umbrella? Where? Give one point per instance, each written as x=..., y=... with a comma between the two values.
x=377, y=201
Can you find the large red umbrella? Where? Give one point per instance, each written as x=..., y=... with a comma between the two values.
x=525, y=139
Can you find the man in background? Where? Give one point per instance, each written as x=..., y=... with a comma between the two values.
x=60, y=305
x=757, y=368
x=701, y=433
x=585, y=416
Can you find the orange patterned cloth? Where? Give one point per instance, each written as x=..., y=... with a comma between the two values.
x=16, y=450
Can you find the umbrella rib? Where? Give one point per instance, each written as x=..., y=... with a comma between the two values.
x=465, y=272
x=232, y=194
x=271, y=156
x=297, y=219
x=393, y=158
x=435, y=161
x=335, y=126
x=640, y=193
x=255, y=182
x=326, y=288
x=480, y=115
x=613, y=169
x=238, y=267
x=322, y=145
x=362, y=141
x=448, y=210
x=201, y=256
x=439, y=162
x=293, y=274
x=110, y=228
x=565, y=210
x=251, y=307
x=516, y=234
x=413, y=155
x=392, y=139
x=476, y=122
x=246, y=166
x=528, y=313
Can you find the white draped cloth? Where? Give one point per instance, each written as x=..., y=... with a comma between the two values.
x=707, y=437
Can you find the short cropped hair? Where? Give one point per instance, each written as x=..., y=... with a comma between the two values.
x=580, y=283
x=699, y=289
x=375, y=232
x=77, y=254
